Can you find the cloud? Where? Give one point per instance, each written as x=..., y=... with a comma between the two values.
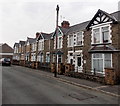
x=22, y=18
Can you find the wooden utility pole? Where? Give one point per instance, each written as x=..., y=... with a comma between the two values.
x=57, y=9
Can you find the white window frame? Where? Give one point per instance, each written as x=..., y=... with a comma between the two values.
x=103, y=57
x=32, y=56
x=81, y=39
x=59, y=46
x=72, y=41
x=100, y=26
x=76, y=53
x=41, y=45
x=47, y=60
x=70, y=57
x=58, y=58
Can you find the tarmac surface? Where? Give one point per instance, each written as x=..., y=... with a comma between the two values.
x=23, y=85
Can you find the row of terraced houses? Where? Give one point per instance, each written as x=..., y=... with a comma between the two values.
x=88, y=50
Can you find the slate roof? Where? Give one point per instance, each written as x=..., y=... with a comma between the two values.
x=64, y=30
x=78, y=27
x=74, y=28
x=5, y=48
x=30, y=40
x=46, y=36
x=116, y=15
x=82, y=26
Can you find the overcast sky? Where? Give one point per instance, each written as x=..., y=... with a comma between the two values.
x=20, y=19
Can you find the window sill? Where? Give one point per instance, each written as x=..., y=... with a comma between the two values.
x=78, y=46
x=100, y=44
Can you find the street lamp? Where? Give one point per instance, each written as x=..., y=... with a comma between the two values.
x=55, y=73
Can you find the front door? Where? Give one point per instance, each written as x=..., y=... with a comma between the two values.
x=78, y=63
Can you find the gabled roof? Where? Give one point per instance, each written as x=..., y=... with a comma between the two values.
x=30, y=40
x=64, y=30
x=22, y=42
x=116, y=15
x=44, y=36
x=5, y=48
x=16, y=44
x=72, y=29
x=61, y=29
x=102, y=17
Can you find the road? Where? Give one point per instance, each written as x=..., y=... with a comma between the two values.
x=21, y=85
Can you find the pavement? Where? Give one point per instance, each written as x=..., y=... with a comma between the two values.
x=113, y=90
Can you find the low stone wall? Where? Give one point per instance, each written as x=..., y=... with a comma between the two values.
x=100, y=79
x=15, y=62
x=22, y=62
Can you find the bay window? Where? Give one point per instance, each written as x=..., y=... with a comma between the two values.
x=101, y=61
x=41, y=57
x=47, y=58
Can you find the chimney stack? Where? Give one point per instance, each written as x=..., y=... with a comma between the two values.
x=65, y=24
x=37, y=34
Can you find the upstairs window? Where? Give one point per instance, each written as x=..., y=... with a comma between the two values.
x=41, y=45
x=101, y=35
x=59, y=42
x=96, y=35
x=79, y=39
x=105, y=34
x=70, y=41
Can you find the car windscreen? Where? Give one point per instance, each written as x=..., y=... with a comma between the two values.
x=7, y=59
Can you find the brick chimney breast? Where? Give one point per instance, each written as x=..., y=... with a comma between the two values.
x=65, y=24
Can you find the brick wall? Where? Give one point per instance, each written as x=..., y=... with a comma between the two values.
x=87, y=56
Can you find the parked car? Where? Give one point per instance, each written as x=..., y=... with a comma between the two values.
x=5, y=62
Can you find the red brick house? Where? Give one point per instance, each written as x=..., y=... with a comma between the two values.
x=6, y=51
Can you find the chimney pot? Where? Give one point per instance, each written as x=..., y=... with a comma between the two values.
x=65, y=24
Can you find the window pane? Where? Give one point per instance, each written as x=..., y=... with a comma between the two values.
x=97, y=55
x=98, y=65
x=70, y=40
x=60, y=42
x=96, y=36
x=79, y=38
x=107, y=61
x=105, y=34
